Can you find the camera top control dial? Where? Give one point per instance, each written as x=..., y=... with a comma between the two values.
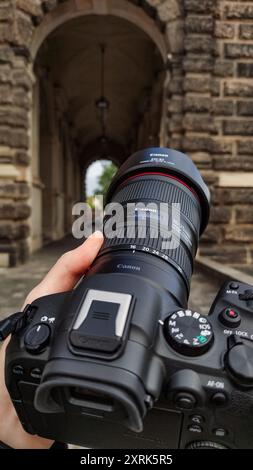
x=188, y=332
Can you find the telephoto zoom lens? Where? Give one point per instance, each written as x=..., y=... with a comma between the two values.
x=165, y=203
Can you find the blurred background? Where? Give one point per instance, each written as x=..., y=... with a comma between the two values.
x=84, y=83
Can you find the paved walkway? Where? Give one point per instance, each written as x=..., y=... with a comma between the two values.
x=16, y=283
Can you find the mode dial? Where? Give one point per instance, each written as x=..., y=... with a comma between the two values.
x=188, y=332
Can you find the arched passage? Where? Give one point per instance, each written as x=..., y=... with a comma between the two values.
x=28, y=141
x=121, y=9
x=68, y=136
x=98, y=177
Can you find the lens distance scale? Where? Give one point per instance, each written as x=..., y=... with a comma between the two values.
x=188, y=332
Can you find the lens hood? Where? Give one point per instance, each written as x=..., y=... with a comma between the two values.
x=169, y=162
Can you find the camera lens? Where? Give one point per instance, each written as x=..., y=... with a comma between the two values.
x=151, y=182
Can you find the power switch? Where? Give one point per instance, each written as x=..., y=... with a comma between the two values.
x=37, y=338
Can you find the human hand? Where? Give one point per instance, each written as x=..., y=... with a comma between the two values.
x=62, y=277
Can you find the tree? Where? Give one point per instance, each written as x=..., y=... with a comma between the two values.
x=105, y=178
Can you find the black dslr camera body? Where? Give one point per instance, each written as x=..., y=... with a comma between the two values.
x=121, y=362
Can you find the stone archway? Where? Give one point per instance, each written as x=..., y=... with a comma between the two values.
x=207, y=108
x=67, y=69
x=30, y=24
x=121, y=9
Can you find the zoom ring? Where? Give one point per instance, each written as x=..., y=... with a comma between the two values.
x=179, y=256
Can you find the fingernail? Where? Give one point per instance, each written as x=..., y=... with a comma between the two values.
x=96, y=234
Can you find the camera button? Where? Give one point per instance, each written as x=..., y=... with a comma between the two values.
x=230, y=317
x=234, y=285
x=239, y=361
x=219, y=399
x=36, y=373
x=37, y=338
x=247, y=295
x=195, y=428
x=18, y=370
x=220, y=432
x=185, y=400
x=197, y=419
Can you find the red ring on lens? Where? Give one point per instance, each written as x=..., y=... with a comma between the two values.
x=157, y=173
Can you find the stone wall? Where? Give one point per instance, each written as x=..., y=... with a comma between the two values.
x=208, y=104
x=20, y=185
x=15, y=102
x=210, y=112
x=231, y=133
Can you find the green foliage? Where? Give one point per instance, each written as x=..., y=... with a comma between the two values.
x=90, y=201
x=105, y=178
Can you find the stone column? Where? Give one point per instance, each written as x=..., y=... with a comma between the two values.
x=37, y=185
x=174, y=100
x=72, y=176
x=15, y=105
x=156, y=107
x=46, y=155
x=199, y=91
x=60, y=159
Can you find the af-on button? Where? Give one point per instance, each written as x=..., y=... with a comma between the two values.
x=219, y=399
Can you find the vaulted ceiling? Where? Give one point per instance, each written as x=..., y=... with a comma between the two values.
x=72, y=54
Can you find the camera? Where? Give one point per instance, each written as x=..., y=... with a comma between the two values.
x=121, y=361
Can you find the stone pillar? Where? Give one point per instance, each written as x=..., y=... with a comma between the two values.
x=199, y=89
x=174, y=100
x=58, y=165
x=156, y=107
x=37, y=185
x=171, y=13
x=46, y=152
x=72, y=177
x=15, y=105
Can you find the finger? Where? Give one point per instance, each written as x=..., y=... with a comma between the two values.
x=68, y=269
